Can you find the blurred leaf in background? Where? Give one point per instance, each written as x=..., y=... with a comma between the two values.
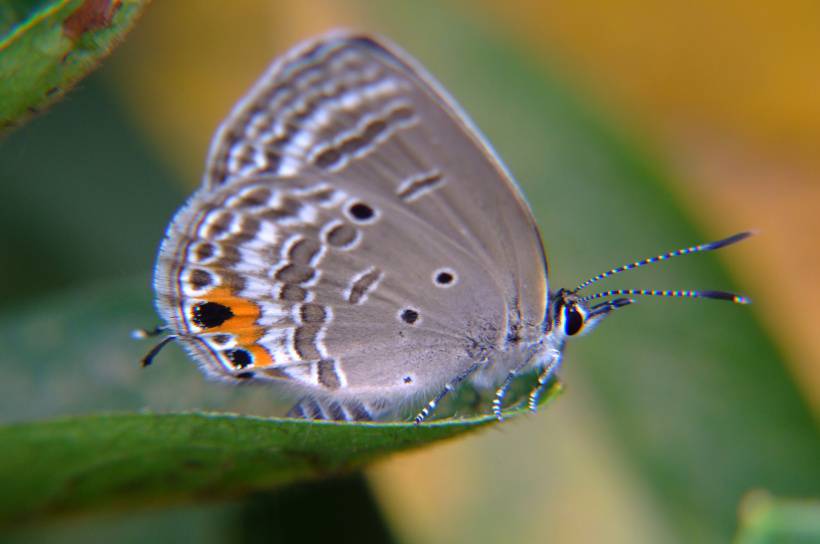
x=47, y=46
x=673, y=410
x=78, y=204
x=769, y=520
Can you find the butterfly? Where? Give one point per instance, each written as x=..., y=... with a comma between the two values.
x=357, y=242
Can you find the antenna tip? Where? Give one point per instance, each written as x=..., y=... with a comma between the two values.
x=735, y=238
x=725, y=295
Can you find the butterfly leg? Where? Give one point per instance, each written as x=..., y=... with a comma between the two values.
x=319, y=409
x=448, y=387
x=543, y=380
x=501, y=392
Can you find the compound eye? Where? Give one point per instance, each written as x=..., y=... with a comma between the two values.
x=573, y=320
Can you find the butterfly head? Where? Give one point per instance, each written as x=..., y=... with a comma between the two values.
x=573, y=313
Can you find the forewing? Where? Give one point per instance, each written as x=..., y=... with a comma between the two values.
x=351, y=107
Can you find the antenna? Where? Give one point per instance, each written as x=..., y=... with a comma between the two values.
x=664, y=256
x=718, y=295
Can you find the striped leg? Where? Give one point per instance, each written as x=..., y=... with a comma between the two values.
x=450, y=386
x=316, y=409
x=543, y=380
x=501, y=392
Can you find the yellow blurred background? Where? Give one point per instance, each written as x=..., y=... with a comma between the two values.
x=728, y=94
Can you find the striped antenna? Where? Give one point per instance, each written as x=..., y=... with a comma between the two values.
x=718, y=295
x=677, y=253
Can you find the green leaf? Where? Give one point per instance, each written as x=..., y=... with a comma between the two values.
x=127, y=460
x=768, y=520
x=46, y=47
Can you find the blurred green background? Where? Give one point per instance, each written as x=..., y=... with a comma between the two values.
x=673, y=410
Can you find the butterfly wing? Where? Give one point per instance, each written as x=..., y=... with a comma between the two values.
x=354, y=234
x=351, y=106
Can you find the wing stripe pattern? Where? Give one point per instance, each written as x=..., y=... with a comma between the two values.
x=288, y=110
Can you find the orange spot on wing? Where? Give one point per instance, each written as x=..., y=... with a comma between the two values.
x=243, y=324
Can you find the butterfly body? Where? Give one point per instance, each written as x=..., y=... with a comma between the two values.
x=357, y=242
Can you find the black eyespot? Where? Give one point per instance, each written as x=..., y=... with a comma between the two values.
x=444, y=278
x=239, y=357
x=410, y=316
x=211, y=314
x=361, y=211
x=573, y=320
x=408, y=379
